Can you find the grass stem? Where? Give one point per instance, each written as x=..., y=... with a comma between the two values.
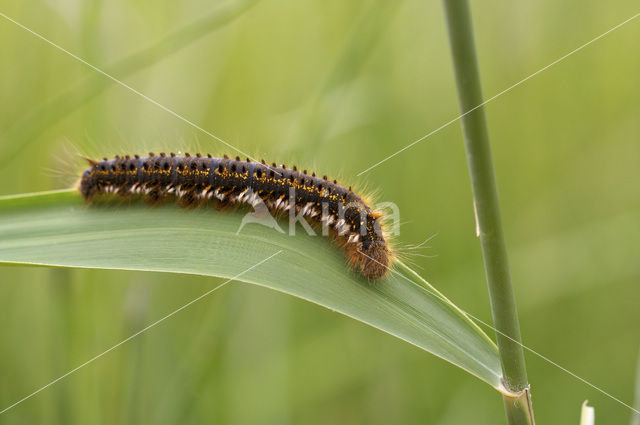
x=489, y=225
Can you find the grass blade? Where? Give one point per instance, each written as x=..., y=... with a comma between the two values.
x=635, y=417
x=58, y=229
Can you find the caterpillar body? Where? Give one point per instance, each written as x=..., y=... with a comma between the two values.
x=195, y=179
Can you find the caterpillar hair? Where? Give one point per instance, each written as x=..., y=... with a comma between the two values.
x=195, y=179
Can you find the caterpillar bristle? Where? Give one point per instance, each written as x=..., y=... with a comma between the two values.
x=195, y=180
x=90, y=161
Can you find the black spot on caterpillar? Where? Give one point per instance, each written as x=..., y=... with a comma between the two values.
x=195, y=179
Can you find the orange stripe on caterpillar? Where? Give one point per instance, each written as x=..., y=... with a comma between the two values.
x=195, y=179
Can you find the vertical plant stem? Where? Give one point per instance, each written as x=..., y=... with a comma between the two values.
x=485, y=194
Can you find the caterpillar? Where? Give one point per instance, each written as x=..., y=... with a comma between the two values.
x=195, y=179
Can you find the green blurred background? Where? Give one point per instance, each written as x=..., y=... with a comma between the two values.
x=337, y=86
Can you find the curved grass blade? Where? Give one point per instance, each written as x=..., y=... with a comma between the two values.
x=58, y=229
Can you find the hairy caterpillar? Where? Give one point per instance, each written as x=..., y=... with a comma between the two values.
x=197, y=179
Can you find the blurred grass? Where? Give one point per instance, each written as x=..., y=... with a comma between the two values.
x=32, y=124
x=567, y=159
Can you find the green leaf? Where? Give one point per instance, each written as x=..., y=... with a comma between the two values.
x=58, y=229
